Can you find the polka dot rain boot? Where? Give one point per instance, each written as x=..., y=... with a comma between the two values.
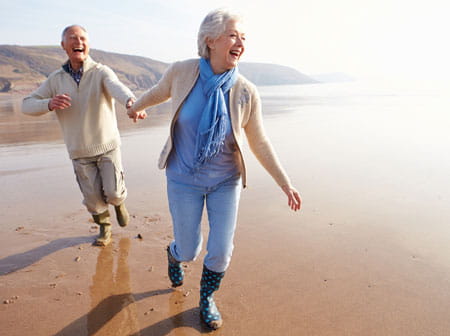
x=175, y=270
x=210, y=283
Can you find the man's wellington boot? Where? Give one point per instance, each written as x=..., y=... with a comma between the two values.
x=175, y=270
x=103, y=220
x=122, y=215
x=210, y=283
x=104, y=238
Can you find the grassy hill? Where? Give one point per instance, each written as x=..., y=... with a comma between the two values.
x=22, y=69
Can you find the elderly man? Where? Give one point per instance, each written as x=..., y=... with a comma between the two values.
x=82, y=95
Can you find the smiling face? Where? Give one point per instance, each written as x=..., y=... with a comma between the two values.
x=226, y=50
x=76, y=44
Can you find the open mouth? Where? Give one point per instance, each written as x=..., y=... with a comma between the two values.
x=235, y=53
x=78, y=50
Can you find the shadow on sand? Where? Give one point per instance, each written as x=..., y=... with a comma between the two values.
x=105, y=311
x=21, y=260
x=114, y=311
x=188, y=318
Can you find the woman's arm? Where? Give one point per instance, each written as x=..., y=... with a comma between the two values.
x=261, y=147
x=158, y=94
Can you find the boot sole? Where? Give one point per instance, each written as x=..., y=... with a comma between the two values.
x=214, y=325
x=102, y=243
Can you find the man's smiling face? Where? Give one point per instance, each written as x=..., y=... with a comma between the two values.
x=76, y=45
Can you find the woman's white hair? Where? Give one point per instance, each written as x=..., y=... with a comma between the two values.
x=213, y=25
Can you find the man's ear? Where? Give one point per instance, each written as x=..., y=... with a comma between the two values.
x=62, y=44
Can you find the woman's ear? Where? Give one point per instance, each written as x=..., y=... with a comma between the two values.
x=210, y=43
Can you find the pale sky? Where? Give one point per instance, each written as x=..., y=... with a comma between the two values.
x=400, y=38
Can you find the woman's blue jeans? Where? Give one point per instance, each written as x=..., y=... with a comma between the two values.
x=186, y=203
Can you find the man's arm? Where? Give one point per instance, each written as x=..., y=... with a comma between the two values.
x=116, y=88
x=38, y=102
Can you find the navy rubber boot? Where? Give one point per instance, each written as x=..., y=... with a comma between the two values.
x=210, y=283
x=175, y=270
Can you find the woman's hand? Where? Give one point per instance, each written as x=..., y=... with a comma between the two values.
x=294, y=200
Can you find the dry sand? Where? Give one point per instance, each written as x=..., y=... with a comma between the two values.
x=367, y=255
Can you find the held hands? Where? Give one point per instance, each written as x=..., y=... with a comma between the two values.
x=135, y=115
x=59, y=102
x=294, y=200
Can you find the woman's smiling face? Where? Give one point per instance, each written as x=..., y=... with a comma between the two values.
x=226, y=50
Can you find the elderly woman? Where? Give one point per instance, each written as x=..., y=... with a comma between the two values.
x=213, y=106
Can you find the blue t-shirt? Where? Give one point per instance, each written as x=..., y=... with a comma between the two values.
x=181, y=161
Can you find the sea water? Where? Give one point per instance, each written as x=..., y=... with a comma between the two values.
x=389, y=132
x=396, y=133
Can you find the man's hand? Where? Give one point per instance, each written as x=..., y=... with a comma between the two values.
x=129, y=103
x=59, y=102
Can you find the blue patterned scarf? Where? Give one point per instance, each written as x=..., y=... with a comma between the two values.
x=212, y=126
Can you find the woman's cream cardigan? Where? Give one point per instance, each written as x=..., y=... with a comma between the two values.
x=245, y=113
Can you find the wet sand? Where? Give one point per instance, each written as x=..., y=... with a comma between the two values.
x=367, y=255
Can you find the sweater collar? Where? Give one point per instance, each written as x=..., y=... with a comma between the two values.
x=88, y=64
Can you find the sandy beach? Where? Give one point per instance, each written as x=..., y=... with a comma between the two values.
x=367, y=255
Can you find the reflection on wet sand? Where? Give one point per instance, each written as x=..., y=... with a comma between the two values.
x=112, y=310
x=112, y=302
x=17, y=128
x=111, y=314
x=6, y=108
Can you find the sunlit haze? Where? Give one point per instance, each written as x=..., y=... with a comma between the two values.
x=380, y=38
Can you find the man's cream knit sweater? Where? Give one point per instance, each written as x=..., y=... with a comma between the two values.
x=89, y=125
